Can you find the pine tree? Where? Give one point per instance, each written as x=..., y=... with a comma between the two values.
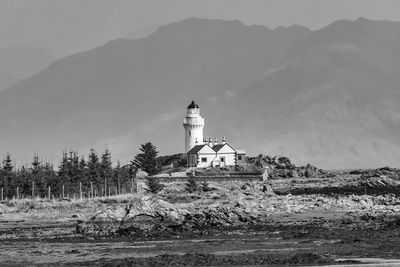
x=117, y=176
x=106, y=164
x=153, y=185
x=37, y=175
x=50, y=179
x=7, y=164
x=93, y=166
x=73, y=169
x=63, y=168
x=24, y=181
x=147, y=160
x=7, y=175
x=82, y=171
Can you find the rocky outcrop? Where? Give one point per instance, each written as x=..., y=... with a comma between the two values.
x=150, y=216
x=381, y=172
x=282, y=167
x=142, y=215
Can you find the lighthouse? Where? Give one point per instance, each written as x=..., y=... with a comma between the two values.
x=193, y=124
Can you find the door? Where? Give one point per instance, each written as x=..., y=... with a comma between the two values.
x=222, y=160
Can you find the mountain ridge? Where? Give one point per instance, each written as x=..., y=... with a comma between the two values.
x=313, y=95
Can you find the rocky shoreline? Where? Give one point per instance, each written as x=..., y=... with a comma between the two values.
x=328, y=224
x=248, y=205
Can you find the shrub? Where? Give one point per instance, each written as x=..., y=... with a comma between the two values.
x=191, y=185
x=153, y=185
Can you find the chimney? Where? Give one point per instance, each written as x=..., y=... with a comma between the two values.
x=223, y=140
x=197, y=142
x=209, y=141
x=215, y=141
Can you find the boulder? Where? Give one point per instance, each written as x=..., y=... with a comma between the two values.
x=311, y=171
x=267, y=190
x=142, y=216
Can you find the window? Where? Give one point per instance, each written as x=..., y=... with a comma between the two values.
x=190, y=133
x=203, y=160
x=222, y=159
x=240, y=157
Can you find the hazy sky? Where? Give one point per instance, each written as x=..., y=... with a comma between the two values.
x=69, y=26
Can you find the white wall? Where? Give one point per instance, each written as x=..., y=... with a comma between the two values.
x=209, y=154
x=209, y=157
x=229, y=154
x=193, y=124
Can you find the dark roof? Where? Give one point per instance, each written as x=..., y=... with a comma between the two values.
x=196, y=149
x=218, y=147
x=193, y=105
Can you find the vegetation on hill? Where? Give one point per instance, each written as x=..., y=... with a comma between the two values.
x=172, y=161
x=74, y=175
x=147, y=160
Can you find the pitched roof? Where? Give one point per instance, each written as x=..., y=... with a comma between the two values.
x=196, y=149
x=218, y=147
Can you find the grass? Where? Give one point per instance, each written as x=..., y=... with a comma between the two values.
x=29, y=204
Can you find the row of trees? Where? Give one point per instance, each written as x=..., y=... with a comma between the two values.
x=75, y=174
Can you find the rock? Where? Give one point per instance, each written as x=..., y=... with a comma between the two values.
x=141, y=216
x=391, y=173
x=267, y=190
x=311, y=171
x=149, y=216
x=246, y=186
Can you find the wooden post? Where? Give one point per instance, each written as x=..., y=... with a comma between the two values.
x=2, y=194
x=33, y=189
x=131, y=185
x=109, y=191
x=95, y=193
x=80, y=189
x=63, y=191
x=17, y=192
x=49, y=191
x=91, y=189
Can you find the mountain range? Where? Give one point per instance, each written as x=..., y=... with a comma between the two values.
x=328, y=97
x=17, y=63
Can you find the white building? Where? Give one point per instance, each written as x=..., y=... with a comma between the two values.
x=202, y=153
x=193, y=124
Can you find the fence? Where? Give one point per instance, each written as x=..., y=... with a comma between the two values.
x=62, y=191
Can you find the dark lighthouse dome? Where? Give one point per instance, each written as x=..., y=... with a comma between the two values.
x=193, y=105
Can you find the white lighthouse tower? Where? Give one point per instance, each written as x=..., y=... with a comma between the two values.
x=193, y=124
